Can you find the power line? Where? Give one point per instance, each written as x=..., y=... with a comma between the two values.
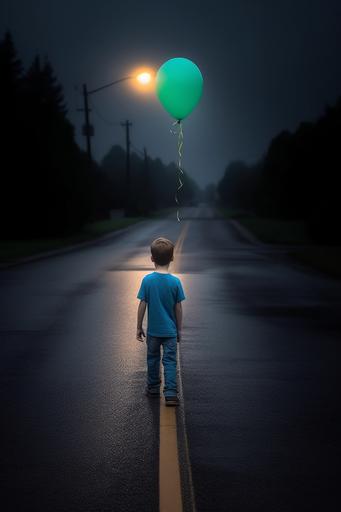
x=137, y=149
x=127, y=126
x=95, y=109
x=110, y=123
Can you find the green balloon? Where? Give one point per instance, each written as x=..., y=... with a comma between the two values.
x=179, y=86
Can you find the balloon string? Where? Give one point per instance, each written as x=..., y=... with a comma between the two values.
x=180, y=144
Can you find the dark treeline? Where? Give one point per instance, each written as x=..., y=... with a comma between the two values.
x=48, y=187
x=46, y=183
x=152, y=183
x=297, y=179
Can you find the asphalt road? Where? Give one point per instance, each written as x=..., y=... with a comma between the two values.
x=260, y=373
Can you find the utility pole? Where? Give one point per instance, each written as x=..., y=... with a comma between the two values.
x=147, y=197
x=127, y=124
x=88, y=129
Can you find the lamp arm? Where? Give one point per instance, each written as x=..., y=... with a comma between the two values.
x=109, y=85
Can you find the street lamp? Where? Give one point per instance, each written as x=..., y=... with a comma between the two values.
x=143, y=77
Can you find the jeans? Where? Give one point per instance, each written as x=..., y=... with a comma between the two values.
x=169, y=364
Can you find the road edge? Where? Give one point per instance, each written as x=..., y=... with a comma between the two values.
x=245, y=233
x=70, y=248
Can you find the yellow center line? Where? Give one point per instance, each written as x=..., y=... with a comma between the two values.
x=178, y=246
x=170, y=496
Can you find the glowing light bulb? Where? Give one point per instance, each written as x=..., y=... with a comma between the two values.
x=144, y=78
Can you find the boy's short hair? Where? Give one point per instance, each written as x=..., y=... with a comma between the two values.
x=162, y=251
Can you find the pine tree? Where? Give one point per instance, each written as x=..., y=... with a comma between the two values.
x=10, y=85
x=46, y=94
x=11, y=70
x=60, y=190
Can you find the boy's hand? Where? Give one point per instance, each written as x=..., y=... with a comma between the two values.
x=178, y=338
x=140, y=333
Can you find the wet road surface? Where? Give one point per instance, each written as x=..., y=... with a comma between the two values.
x=259, y=372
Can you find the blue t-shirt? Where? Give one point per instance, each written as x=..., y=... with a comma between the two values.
x=161, y=292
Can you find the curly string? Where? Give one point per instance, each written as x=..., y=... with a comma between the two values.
x=180, y=144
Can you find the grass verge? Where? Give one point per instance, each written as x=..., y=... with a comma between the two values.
x=326, y=259
x=163, y=212
x=13, y=250
x=271, y=231
x=277, y=231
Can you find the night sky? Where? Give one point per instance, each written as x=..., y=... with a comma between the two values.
x=267, y=65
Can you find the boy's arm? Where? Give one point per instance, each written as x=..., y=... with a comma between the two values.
x=140, y=314
x=178, y=316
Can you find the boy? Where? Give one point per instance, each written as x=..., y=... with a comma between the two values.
x=163, y=293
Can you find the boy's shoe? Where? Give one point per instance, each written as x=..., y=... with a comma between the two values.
x=152, y=392
x=172, y=400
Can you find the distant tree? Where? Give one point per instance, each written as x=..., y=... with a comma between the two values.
x=11, y=71
x=322, y=175
x=297, y=178
x=57, y=183
x=155, y=184
x=45, y=92
x=238, y=187
x=46, y=177
x=276, y=165
x=210, y=193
